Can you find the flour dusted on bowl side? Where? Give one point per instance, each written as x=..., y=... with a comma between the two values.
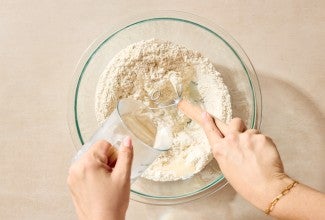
x=147, y=66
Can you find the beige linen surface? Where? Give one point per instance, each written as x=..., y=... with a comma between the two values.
x=41, y=42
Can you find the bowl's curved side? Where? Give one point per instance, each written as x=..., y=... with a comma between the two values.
x=205, y=192
x=90, y=53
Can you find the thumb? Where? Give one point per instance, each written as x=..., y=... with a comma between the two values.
x=124, y=159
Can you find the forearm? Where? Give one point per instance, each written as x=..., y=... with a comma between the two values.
x=302, y=202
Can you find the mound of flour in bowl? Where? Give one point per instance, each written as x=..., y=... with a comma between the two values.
x=145, y=67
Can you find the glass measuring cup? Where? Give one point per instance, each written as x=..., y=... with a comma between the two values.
x=128, y=119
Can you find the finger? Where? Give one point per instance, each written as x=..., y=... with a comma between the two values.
x=112, y=156
x=222, y=127
x=124, y=159
x=104, y=152
x=252, y=131
x=190, y=110
x=211, y=130
x=236, y=124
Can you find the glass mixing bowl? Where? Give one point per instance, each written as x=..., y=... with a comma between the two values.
x=195, y=33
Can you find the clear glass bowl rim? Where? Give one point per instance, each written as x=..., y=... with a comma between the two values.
x=198, y=21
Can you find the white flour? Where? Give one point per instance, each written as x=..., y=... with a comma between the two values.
x=147, y=66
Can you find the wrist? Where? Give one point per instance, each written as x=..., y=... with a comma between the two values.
x=266, y=193
x=273, y=189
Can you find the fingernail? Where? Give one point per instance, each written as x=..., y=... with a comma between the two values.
x=127, y=142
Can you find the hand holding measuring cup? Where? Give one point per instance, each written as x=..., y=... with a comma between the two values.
x=100, y=181
x=129, y=119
